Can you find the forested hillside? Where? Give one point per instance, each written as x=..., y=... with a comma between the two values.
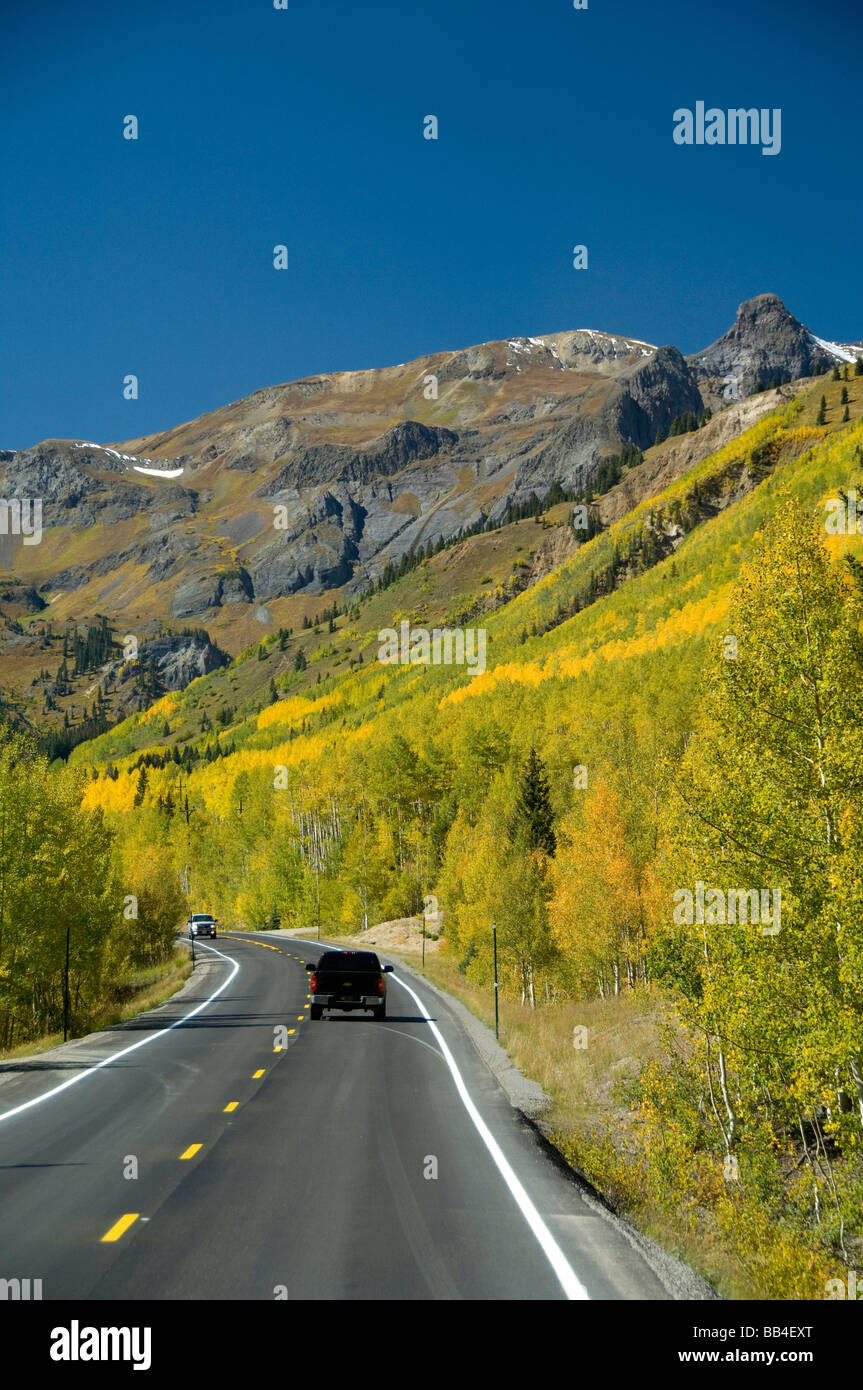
x=677, y=704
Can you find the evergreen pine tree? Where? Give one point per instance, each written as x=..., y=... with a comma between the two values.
x=140, y=790
x=532, y=825
x=821, y=418
x=855, y=569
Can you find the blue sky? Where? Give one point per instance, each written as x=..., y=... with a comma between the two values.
x=305, y=127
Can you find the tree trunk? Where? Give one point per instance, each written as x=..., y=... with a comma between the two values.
x=857, y=1073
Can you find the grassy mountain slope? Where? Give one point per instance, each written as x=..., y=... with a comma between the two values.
x=660, y=611
x=350, y=799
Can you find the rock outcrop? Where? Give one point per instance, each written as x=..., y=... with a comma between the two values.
x=319, y=484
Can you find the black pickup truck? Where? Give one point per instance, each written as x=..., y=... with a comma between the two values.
x=348, y=980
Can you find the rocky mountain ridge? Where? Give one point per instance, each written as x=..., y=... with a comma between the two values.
x=317, y=485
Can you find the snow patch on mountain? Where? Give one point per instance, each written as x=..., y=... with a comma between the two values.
x=148, y=467
x=846, y=352
x=646, y=348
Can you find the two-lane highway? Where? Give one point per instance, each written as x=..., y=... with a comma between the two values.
x=246, y=1152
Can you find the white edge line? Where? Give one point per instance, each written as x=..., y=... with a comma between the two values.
x=142, y=1042
x=571, y=1284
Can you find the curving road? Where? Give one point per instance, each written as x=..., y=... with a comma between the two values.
x=304, y=1173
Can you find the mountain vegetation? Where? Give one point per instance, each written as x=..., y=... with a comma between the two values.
x=670, y=700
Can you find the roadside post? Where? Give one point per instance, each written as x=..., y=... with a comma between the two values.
x=66, y=989
x=496, y=1023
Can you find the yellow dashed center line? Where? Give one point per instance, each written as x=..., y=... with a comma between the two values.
x=191, y=1151
x=290, y=1031
x=231, y=1105
x=120, y=1226
x=264, y=945
x=278, y=1049
x=256, y=1074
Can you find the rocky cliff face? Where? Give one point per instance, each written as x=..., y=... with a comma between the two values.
x=177, y=658
x=318, y=484
x=765, y=346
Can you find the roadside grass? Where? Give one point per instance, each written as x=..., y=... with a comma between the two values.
x=744, y=1250
x=151, y=987
x=146, y=989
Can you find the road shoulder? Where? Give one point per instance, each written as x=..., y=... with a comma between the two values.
x=24, y=1078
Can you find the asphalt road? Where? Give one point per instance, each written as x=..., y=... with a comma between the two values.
x=306, y=1173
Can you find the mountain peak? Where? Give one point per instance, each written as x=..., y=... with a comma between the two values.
x=766, y=345
x=760, y=302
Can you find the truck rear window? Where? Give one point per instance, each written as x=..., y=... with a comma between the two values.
x=349, y=960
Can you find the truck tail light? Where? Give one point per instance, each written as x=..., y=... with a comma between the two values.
x=313, y=983
x=381, y=984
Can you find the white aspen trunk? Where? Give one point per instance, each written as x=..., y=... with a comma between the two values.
x=729, y=1109
x=857, y=1074
x=708, y=1067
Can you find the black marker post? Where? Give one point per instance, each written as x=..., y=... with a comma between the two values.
x=494, y=938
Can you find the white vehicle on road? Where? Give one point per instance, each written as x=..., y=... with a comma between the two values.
x=202, y=924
